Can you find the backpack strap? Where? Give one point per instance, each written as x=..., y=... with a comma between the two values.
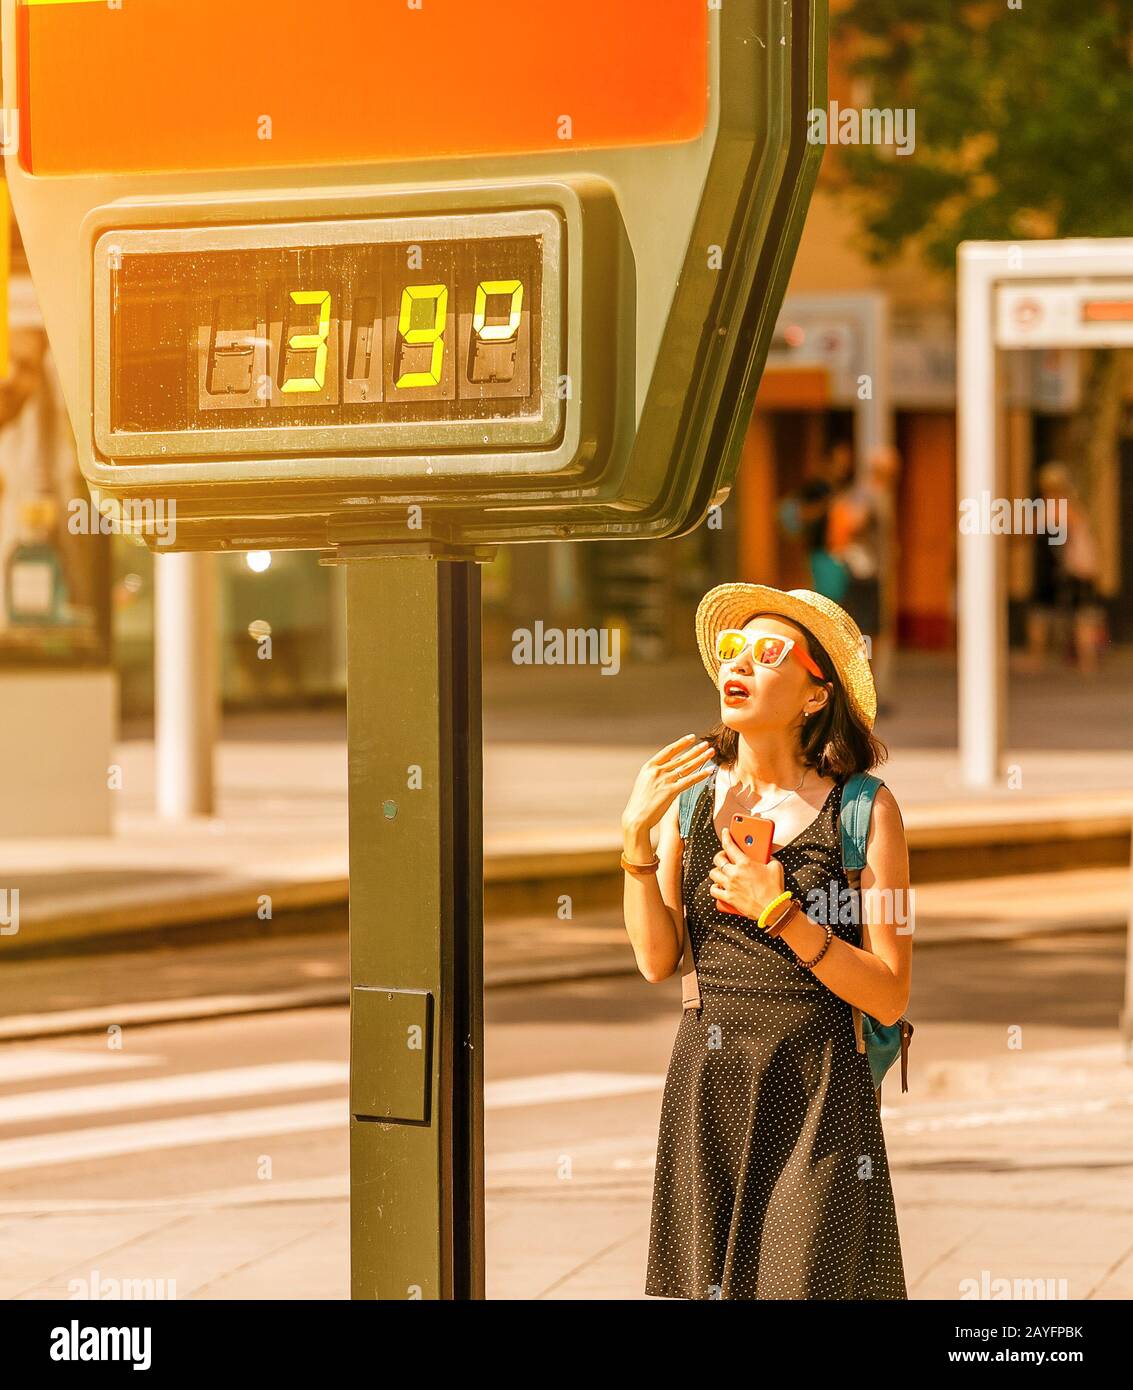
x=858, y=795
x=686, y=805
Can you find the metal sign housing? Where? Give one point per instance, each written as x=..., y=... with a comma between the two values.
x=669, y=208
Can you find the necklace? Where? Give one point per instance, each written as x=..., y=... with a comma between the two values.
x=758, y=810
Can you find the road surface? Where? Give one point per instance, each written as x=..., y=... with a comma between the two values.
x=211, y=1157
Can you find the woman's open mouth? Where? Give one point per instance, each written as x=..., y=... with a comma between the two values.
x=735, y=692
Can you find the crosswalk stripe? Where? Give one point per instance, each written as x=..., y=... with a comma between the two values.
x=41, y=1063
x=558, y=1088
x=984, y=1115
x=334, y=1187
x=589, y=1154
x=85, y=1145
x=216, y=1127
x=178, y=1089
x=552, y=1088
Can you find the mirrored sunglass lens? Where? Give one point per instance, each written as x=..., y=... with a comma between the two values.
x=769, y=651
x=729, y=645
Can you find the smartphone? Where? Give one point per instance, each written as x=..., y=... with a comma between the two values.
x=754, y=835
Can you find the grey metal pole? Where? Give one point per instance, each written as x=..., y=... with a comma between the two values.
x=416, y=925
x=186, y=690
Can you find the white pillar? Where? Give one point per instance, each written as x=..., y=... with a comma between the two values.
x=980, y=595
x=874, y=429
x=874, y=426
x=565, y=580
x=337, y=621
x=186, y=688
x=1127, y=1012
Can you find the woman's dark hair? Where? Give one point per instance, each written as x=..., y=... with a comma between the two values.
x=834, y=740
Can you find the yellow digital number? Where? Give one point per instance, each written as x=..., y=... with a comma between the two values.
x=305, y=342
x=432, y=333
x=498, y=332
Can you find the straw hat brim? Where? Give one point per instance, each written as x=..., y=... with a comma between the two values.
x=731, y=605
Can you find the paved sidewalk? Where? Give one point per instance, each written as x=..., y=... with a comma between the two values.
x=281, y=823
x=972, y=1174
x=973, y=1154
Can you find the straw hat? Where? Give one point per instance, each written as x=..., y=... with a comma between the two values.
x=731, y=605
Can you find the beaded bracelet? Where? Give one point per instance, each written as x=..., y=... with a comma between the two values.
x=810, y=964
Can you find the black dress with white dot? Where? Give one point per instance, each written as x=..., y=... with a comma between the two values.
x=772, y=1179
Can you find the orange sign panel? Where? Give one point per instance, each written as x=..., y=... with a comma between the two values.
x=158, y=85
x=1107, y=311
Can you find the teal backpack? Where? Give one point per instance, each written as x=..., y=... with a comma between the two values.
x=882, y=1043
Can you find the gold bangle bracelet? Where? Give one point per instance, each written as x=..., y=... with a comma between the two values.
x=641, y=870
x=793, y=908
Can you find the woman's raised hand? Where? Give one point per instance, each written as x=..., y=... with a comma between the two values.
x=662, y=779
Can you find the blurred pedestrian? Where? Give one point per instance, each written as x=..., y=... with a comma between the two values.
x=861, y=537
x=1064, y=596
x=804, y=515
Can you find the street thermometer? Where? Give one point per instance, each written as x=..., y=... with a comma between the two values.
x=399, y=281
x=515, y=264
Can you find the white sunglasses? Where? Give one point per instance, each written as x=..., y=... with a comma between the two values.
x=768, y=649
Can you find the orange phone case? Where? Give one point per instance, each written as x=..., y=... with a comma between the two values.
x=754, y=835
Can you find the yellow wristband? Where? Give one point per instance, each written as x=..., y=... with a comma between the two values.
x=761, y=920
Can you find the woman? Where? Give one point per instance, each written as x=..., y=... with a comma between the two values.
x=772, y=1179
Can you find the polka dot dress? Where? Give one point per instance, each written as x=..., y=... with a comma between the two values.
x=772, y=1179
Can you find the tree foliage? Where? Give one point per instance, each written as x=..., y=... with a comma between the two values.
x=1024, y=121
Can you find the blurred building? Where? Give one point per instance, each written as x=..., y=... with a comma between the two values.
x=845, y=322
x=57, y=684
x=850, y=327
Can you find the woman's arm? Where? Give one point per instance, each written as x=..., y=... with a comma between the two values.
x=652, y=903
x=876, y=979
x=879, y=978
x=654, y=917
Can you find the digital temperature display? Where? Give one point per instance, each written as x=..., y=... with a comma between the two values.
x=377, y=334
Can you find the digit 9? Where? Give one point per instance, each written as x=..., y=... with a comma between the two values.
x=434, y=333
